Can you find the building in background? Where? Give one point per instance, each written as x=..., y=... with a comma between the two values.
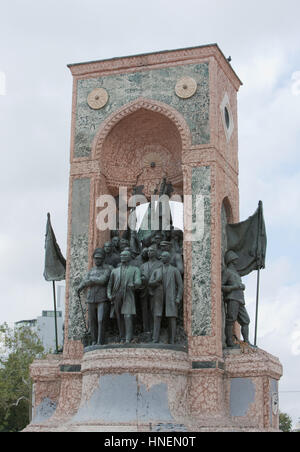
x=44, y=325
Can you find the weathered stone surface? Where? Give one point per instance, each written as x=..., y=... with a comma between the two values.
x=79, y=252
x=120, y=398
x=157, y=84
x=242, y=394
x=44, y=411
x=201, y=255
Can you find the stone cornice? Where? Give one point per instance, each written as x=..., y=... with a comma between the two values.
x=256, y=364
x=155, y=60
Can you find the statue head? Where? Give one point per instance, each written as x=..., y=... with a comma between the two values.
x=115, y=241
x=144, y=254
x=165, y=257
x=165, y=245
x=147, y=240
x=108, y=247
x=230, y=257
x=152, y=252
x=125, y=256
x=123, y=244
x=99, y=256
x=157, y=238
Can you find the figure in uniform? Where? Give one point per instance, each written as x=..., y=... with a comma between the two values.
x=233, y=290
x=111, y=258
x=96, y=282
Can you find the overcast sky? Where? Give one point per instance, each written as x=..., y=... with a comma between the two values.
x=39, y=38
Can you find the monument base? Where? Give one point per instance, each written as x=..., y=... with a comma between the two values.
x=156, y=389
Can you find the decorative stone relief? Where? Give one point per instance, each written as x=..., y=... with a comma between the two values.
x=186, y=87
x=157, y=85
x=97, y=98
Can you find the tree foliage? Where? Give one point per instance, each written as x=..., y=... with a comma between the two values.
x=18, y=348
x=285, y=422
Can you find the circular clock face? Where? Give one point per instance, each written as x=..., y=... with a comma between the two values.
x=97, y=98
x=186, y=87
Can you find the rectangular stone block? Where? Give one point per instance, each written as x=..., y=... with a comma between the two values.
x=201, y=254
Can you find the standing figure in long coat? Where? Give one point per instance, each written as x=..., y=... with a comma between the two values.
x=96, y=281
x=148, y=296
x=171, y=280
x=123, y=282
x=175, y=257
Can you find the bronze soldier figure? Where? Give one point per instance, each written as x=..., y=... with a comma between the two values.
x=111, y=258
x=233, y=290
x=96, y=281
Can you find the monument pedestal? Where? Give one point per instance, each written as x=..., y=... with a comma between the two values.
x=157, y=388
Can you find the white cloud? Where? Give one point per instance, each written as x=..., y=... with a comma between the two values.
x=295, y=339
x=295, y=88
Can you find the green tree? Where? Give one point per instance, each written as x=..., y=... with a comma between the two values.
x=18, y=348
x=285, y=422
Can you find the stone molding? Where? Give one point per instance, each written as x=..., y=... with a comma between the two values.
x=156, y=59
x=137, y=360
x=46, y=369
x=258, y=363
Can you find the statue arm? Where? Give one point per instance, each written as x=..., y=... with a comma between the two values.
x=101, y=280
x=227, y=288
x=137, y=280
x=84, y=283
x=110, y=286
x=179, y=263
x=179, y=284
x=156, y=278
x=229, y=284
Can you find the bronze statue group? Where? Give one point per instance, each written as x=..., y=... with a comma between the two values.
x=133, y=276
x=138, y=278
x=146, y=277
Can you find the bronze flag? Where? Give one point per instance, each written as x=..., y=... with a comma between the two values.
x=248, y=240
x=55, y=263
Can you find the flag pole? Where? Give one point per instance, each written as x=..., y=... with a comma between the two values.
x=256, y=311
x=258, y=253
x=55, y=317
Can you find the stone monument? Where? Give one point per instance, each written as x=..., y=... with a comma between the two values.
x=139, y=123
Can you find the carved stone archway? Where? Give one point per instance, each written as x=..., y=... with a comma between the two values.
x=140, y=143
